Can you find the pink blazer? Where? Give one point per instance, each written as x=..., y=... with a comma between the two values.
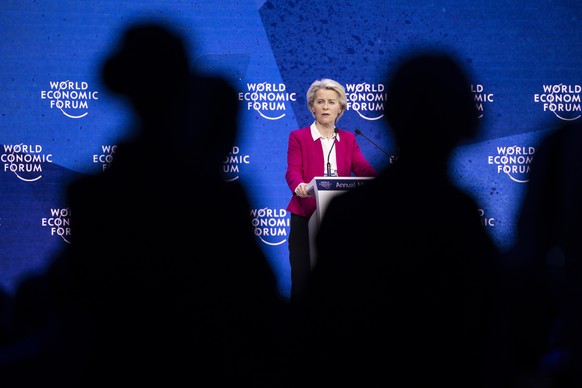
x=305, y=160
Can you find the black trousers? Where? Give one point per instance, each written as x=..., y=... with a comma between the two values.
x=299, y=256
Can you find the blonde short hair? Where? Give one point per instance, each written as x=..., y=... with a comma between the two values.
x=328, y=84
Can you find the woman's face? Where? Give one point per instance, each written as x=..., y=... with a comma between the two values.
x=326, y=107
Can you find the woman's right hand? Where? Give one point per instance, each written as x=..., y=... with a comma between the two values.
x=302, y=190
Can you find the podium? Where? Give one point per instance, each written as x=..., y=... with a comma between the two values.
x=324, y=189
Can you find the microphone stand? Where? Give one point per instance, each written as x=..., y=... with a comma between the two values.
x=358, y=132
x=329, y=153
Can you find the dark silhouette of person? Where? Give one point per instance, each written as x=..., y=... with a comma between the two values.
x=402, y=290
x=544, y=286
x=153, y=298
x=6, y=313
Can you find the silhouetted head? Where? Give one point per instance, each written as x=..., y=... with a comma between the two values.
x=214, y=109
x=430, y=107
x=151, y=64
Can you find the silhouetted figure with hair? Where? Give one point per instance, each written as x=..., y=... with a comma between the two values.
x=544, y=286
x=159, y=303
x=401, y=293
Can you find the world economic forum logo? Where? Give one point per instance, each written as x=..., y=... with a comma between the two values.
x=481, y=96
x=25, y=160
x=563, y=100
x=105, y=157
x=58, y=223
x=270, y=225
x=514, y=161
x=269, y=100
x=70, y=97
x=231, y=164
x=366, y=99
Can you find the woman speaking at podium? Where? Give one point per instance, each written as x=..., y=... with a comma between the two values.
x=320, y=149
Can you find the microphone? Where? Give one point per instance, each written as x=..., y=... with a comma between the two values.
x=329, y=153
x=358, y=132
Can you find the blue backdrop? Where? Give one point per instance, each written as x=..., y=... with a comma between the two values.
x=58, y=121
